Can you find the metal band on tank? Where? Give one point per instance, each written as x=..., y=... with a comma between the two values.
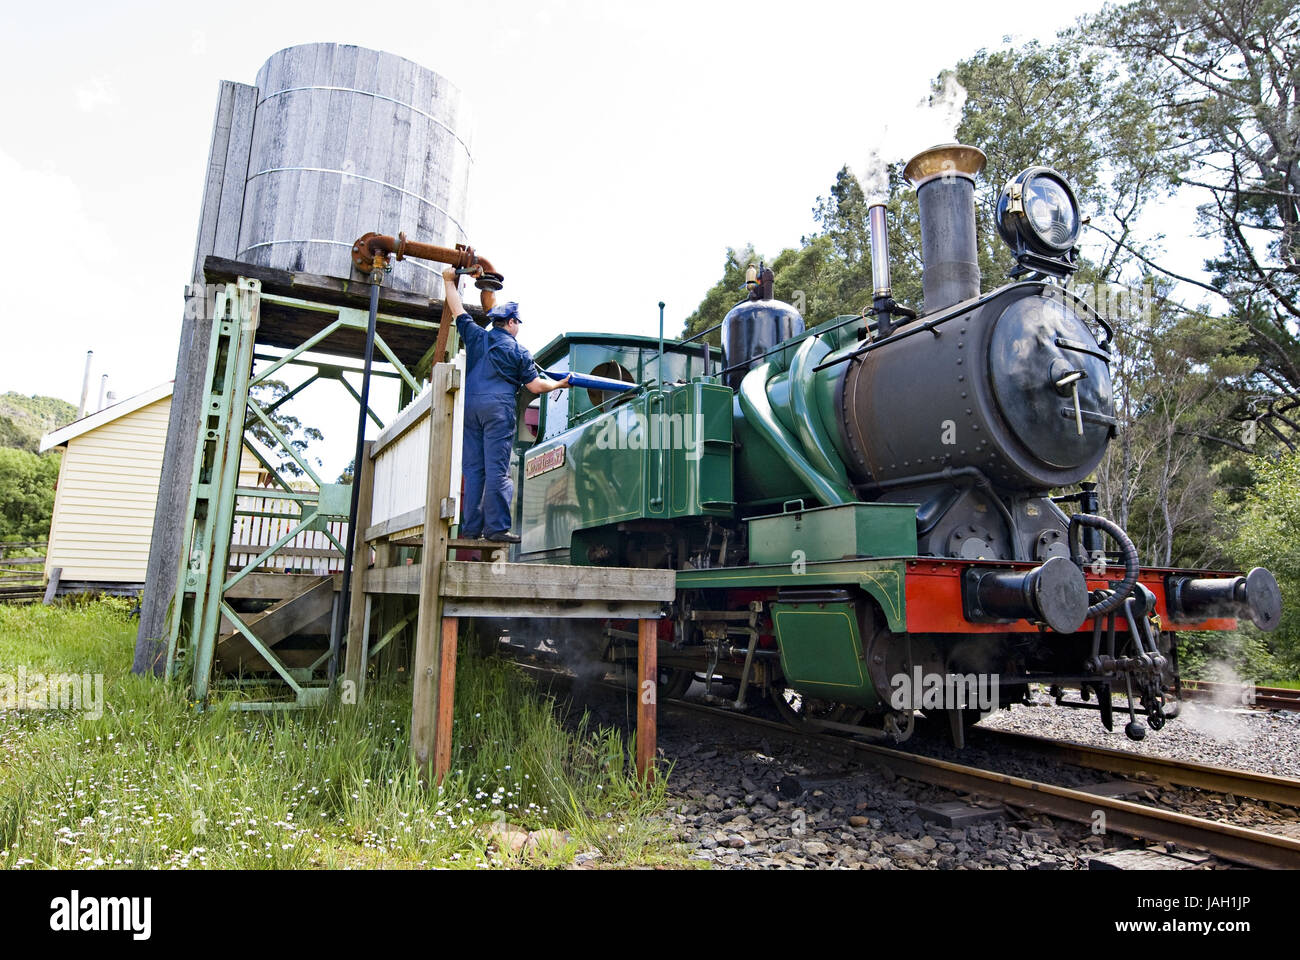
x=377, y=96
x=357, y=176
x=337, y=243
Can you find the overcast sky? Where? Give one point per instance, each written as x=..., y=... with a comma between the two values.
x=644, y=138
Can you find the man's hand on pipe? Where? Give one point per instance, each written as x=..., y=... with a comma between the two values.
x=451, y=292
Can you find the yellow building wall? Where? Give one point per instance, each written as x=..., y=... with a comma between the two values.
x=104, y=504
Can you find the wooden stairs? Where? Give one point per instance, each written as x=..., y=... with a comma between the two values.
x=300, y=612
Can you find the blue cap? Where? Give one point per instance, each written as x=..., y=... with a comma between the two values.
x=507, y=311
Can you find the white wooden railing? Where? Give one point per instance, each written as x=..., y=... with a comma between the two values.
x=401, y=462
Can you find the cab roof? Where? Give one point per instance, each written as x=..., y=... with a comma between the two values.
x=559, y=347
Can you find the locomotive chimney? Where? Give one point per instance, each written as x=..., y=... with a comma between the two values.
x=882, y=292
x=944, y=179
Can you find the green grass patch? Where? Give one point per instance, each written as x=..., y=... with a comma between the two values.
x=151, y=783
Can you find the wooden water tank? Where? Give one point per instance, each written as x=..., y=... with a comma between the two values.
x=348, y=140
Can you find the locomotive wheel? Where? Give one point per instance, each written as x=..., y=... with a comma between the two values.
x=674, y=682
x=796, y=709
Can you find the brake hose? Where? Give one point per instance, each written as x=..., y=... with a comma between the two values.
x=1116, y=533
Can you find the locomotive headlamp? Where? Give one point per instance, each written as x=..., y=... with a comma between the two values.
x=1037, y=214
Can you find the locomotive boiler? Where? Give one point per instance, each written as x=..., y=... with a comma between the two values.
x=888, y=512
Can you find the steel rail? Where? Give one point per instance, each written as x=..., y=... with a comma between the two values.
x=1275, y=698
x=1240, y=783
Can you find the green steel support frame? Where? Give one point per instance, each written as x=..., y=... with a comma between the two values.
x=227, y=413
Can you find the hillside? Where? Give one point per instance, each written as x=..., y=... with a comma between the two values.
x=24, y=420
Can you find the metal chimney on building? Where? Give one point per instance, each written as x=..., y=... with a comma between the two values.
x=85, y=386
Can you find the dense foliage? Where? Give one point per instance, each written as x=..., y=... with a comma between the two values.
x=1267, y=537
x=27, y=479
x=26, y=494
x=24, y=420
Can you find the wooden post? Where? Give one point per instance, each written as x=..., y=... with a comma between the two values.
x=218, y=233
x=355, y=666
x=446, y=699
x=426, y=681
x=385, y=554
x=647, y=657
x=52, y=588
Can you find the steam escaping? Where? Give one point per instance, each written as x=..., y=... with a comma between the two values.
x=875, y=180
x=932, y=121
x=577, y=645
x=1221, y=719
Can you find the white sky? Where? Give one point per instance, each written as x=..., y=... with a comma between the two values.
x=641, y=138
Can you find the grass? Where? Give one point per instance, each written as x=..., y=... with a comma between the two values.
x=154, y=784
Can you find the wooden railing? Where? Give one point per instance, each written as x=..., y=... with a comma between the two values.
x=401, y=464
x=309, y=552
x=22, y=579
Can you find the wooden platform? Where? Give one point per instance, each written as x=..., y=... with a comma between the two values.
x=493, y=589
x=489, y=586
x=288, y=325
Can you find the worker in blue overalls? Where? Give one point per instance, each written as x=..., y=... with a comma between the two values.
x=496, y=367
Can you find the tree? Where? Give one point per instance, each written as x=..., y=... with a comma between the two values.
x=1175, y=376
x=24, y=419
x=14, y=436
x=1182, y=378
x=26, y=494
x=832, y=269
x=1068, y=106
x=1270, y=530
x=266, y=394
x=723, y=295
x=1227, y=80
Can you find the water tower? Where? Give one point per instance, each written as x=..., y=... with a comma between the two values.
x=332, y=141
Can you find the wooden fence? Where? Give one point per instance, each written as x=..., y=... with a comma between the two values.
x=309, y=552
x=401, y=458
x=22, y=579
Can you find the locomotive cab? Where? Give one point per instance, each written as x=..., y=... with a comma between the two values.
x=632, y=359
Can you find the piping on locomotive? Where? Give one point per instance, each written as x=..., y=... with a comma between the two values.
x=857, y=507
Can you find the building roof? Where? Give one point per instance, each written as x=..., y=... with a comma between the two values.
x=59, y=437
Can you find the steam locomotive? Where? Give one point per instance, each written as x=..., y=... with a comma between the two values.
x=861, y=515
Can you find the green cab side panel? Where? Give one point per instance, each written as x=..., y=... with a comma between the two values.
x=663, y=455
x=822, y=653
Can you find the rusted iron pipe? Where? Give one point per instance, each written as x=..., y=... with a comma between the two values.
x=373, y=245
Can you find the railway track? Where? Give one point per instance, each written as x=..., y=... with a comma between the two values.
x=1239, y=783
x=1242, y=694
x=1230, y=842
x=1226, y=840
